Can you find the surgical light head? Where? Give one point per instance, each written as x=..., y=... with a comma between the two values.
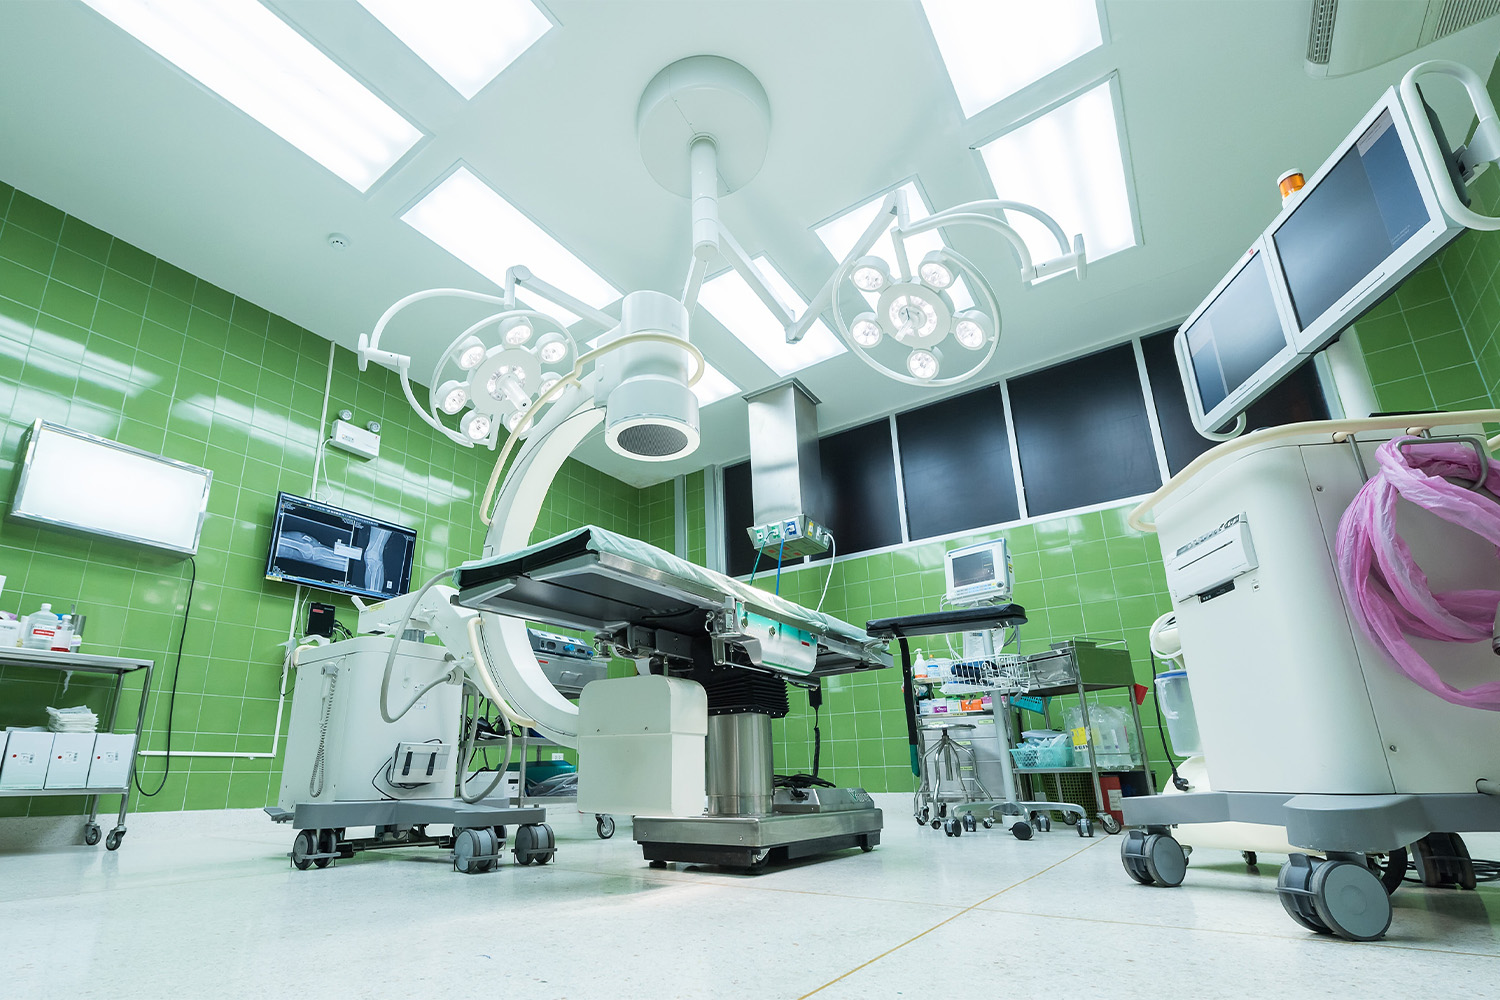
x=651, y=414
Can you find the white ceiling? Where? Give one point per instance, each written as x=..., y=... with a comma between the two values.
x=1216, y=105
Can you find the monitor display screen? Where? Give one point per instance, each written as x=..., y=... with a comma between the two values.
x=976, y=567
x=1236, y=335
x=333, y=549
x=1360, y=213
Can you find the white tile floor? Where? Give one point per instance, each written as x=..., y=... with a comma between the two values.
x=205, y=905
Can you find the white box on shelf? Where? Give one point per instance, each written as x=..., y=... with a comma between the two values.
x=68, y=763
x=25, y=764
x=113, y=755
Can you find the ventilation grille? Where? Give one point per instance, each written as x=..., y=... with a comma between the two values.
x=652, y=440
x=739, y=692
x=1460, y=14
x=1320, y=32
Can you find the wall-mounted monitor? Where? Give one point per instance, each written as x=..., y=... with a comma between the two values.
x=79, y=481
x=1235, y=345
x=1365, y=220
x=980, y=572
x=330, y=548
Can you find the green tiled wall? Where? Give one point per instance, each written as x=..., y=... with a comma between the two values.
x=1082, y=575
x=100, y=336
x=695, y=514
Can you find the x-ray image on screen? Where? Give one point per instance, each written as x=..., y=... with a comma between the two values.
x=333, y=549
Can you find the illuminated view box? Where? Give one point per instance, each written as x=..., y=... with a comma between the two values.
x=1365, y=220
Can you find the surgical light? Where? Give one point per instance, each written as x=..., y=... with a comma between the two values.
x=477, y=426
x=971, y=328
x=453, y=395
x=650, y=413
x=865, y=330
x=470, y=353
x=548, y=381
x=913, y=316
x=935, y=271
x=870, y=274
x=552, y=348
x=516, y=331
x=923, y=364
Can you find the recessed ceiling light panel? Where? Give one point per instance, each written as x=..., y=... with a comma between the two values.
x=993, y=48
x=742, y=313
x=469, y=219
x=255, y=61
x=1068, y=163
x=714, y=386
x=467, y=42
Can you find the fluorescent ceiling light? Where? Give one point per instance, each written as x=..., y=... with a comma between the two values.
x=255, y=61
x=993, y=48
x=467, y=218
x=840, y=235
x=468, y=42
x=731, y=301
x=714, y=386
x=1069, y=164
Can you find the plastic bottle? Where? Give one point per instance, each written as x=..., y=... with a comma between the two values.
x=62, y=640
x=39, y=629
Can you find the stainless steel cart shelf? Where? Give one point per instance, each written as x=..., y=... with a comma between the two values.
x=90, y=663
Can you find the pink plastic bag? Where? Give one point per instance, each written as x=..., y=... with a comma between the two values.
x=1383, y=584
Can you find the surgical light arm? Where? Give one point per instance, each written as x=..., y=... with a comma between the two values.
x=1483, y=148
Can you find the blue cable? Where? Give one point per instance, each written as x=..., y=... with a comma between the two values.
x=779, y=550
x=756, y=566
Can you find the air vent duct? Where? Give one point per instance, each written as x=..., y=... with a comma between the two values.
x=1346, y=37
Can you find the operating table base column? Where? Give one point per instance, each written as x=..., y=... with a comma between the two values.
x=749, y=824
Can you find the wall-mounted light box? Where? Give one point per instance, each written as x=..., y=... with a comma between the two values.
x=78, y=481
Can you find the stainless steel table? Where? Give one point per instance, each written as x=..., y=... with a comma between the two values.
x=119, y=666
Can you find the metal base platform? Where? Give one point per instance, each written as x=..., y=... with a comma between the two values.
x=407, y=813
x=1364, y=824
x=824, y=820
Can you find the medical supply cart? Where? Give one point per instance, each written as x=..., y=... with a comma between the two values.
x=88, y=663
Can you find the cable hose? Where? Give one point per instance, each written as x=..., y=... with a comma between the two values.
x=320, y=760
x=390, y=659
x=470, y=737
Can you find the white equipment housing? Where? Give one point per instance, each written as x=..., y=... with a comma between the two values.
x=336, y=716
x=643, y=738
x=1291, y=696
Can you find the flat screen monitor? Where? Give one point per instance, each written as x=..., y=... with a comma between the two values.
x=1235, y=345
x=329, y=548
x=979, y=572
x=1365, y=220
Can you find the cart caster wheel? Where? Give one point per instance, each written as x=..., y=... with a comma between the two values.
x=1110, y=824
x=936, y=824
x=656, y=864
x=942, y=810
x=924, y=816
x=952, y=828
x=1392, y=872
x=1252, y=860
x=1041, y=822
x=535, y=844
x=305, y=843
x=1164, y=858
x=604, y=826
x=328, y=842
x=970, y=823
x=1132, y=857
x=987, y=822
x=91, y=833
x=1021, y=831
x=470, y=849
x=865, y=845
x=1085, y=827
x=1334, y=897
x=112, y=840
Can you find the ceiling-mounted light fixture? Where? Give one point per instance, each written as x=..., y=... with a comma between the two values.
x=703, y=124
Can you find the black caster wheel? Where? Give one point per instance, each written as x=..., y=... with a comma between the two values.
x=1391, y=870
x=1040, y=821
x=936, y=824
x=1164, y=858
x=604, y=826
x=951, y=827
x=535, y=844
x=656, y=864
x=970, y=823
x=1132, y=857
x=305, y=843
x=866, y=845
x=942, y=810
x=474, y=850
x=91, y=833
x=1110, y=824
x=112, y=840
x=924, y=816
x=1085, y=827
x=328, y=843
x=987, y=822
x=1021, y=831
x=1252, y=860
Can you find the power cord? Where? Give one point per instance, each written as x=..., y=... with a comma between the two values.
x=187, y=611
x=1178, y=781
